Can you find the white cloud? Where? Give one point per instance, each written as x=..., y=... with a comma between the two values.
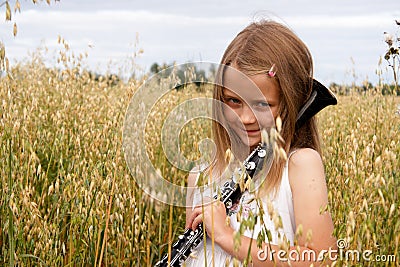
x=343, y=22
x=181, y=34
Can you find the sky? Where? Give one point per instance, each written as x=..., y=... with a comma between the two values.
x=345, y=37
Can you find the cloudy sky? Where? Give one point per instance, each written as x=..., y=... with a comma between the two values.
x=344, y=36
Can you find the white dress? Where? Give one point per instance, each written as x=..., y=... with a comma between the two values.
x=283, y=206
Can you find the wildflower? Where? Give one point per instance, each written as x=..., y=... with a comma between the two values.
x=388, y=38
x=397, y=112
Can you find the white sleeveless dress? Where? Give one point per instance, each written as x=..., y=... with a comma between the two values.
x=282, y=204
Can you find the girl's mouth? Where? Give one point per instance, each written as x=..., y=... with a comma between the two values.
x=252, y=132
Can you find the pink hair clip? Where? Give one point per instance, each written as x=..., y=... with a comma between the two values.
x=271, y=72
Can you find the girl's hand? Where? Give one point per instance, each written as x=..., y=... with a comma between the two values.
x=214, y=215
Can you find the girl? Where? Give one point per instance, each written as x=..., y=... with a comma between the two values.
x=279, y=70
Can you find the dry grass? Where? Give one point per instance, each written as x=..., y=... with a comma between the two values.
x=68, y=199
x=362, y=148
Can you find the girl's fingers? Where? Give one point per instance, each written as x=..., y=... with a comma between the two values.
x=197, y=221
x=196, y=211
x=197, y=214
x=191, y=218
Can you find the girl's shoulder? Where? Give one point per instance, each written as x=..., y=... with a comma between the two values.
x=305, y=170
x=196, y=172
x=194, y=175
x=305, y=155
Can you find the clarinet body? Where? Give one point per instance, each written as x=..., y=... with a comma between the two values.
x=230, y=192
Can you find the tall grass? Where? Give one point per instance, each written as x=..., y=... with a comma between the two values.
x=68, y=198
x=362, y=148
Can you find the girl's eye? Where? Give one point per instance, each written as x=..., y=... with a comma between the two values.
x=232, y=101
x=262, y=104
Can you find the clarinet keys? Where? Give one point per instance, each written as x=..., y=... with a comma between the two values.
x=262, y=153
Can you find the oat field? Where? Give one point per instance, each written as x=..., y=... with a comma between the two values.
x=68, y=198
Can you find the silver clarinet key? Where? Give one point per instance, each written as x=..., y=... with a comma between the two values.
x=262, y=153
x=250, y=165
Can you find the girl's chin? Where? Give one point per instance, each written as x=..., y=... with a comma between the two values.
x=251, y=142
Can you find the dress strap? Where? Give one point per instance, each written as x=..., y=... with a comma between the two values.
x=290, y=154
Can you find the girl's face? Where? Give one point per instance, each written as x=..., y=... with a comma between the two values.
x=251, y=104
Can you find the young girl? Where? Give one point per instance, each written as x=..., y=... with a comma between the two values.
x=279, y=68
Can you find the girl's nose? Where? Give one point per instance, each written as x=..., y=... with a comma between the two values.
x=247, y=116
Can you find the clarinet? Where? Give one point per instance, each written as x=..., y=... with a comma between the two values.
x=230, y=192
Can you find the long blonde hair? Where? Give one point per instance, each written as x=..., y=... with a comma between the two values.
x=254, y=50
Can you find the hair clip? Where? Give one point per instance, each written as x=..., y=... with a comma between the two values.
x=271, y=72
